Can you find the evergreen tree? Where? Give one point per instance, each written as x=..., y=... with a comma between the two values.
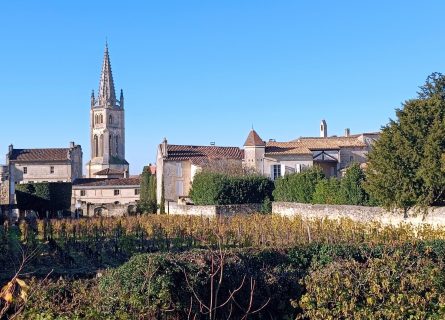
x=351, y=186
x=147, y=201
x=406, y=165
x=162, y=204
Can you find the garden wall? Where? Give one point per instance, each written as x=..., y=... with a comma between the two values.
x=434, y=215
x=226, y=210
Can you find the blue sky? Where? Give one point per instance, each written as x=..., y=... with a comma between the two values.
x=202, y=71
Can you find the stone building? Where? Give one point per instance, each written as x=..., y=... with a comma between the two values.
x=107, y=126
x=105, y=197
x=333, y=154
x=176, y=165
x=38, y=165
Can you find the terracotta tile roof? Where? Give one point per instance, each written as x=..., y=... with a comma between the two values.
x=202, y=154
x=108, y=171
x=254, y=140
x=96, y=182
x=315, y=143
x=305, y=145
x=54, y=154
x=273, y=147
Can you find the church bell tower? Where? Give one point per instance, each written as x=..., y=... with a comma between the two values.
x=107, y=128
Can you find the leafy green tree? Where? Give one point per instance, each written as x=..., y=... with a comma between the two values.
x=406, y=165
x=298, y=187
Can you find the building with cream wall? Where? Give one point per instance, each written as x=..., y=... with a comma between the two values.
x=91, y=196
x=176, y=165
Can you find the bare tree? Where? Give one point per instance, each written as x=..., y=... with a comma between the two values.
x=209, y=306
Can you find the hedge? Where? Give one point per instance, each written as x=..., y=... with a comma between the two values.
x=44, y=196
x=211, y=188
x=298, y=187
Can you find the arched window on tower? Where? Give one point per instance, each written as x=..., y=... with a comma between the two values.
x=117, y=142
x=96, y=146
x=110, y=119
x=101, y=118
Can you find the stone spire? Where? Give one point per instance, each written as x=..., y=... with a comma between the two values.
x=107, y=95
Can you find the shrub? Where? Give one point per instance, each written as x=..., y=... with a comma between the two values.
x=150, y=285
x=211, y=188
x=351, y=189
x=328, y=191
x=399, y=285
x=298, y=187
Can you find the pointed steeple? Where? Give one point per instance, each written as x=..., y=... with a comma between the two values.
x=121, y=99
x=107, y=95
x=254, y=140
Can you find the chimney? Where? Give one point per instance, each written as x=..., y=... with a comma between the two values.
x=72, y=145
x=347, y=132
x=11, y=147
x=164, y=148
x=323, y=129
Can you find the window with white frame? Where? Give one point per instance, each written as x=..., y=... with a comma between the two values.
x=276, y=171
x=25, y=170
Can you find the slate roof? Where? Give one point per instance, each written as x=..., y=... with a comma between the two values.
x=49, y=154
x=202, y=154
x=96, y=182
x=254, y=140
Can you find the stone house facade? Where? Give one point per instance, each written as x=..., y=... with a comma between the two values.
x=176, y=165
x=37, y=165
x=333, y=154
x=95, y=197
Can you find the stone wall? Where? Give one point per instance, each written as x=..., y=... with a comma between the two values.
x=228, y=210
x=105, y=210
x=433, y=216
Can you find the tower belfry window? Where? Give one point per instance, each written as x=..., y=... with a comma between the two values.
x=110, y=119
x=96, y=147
